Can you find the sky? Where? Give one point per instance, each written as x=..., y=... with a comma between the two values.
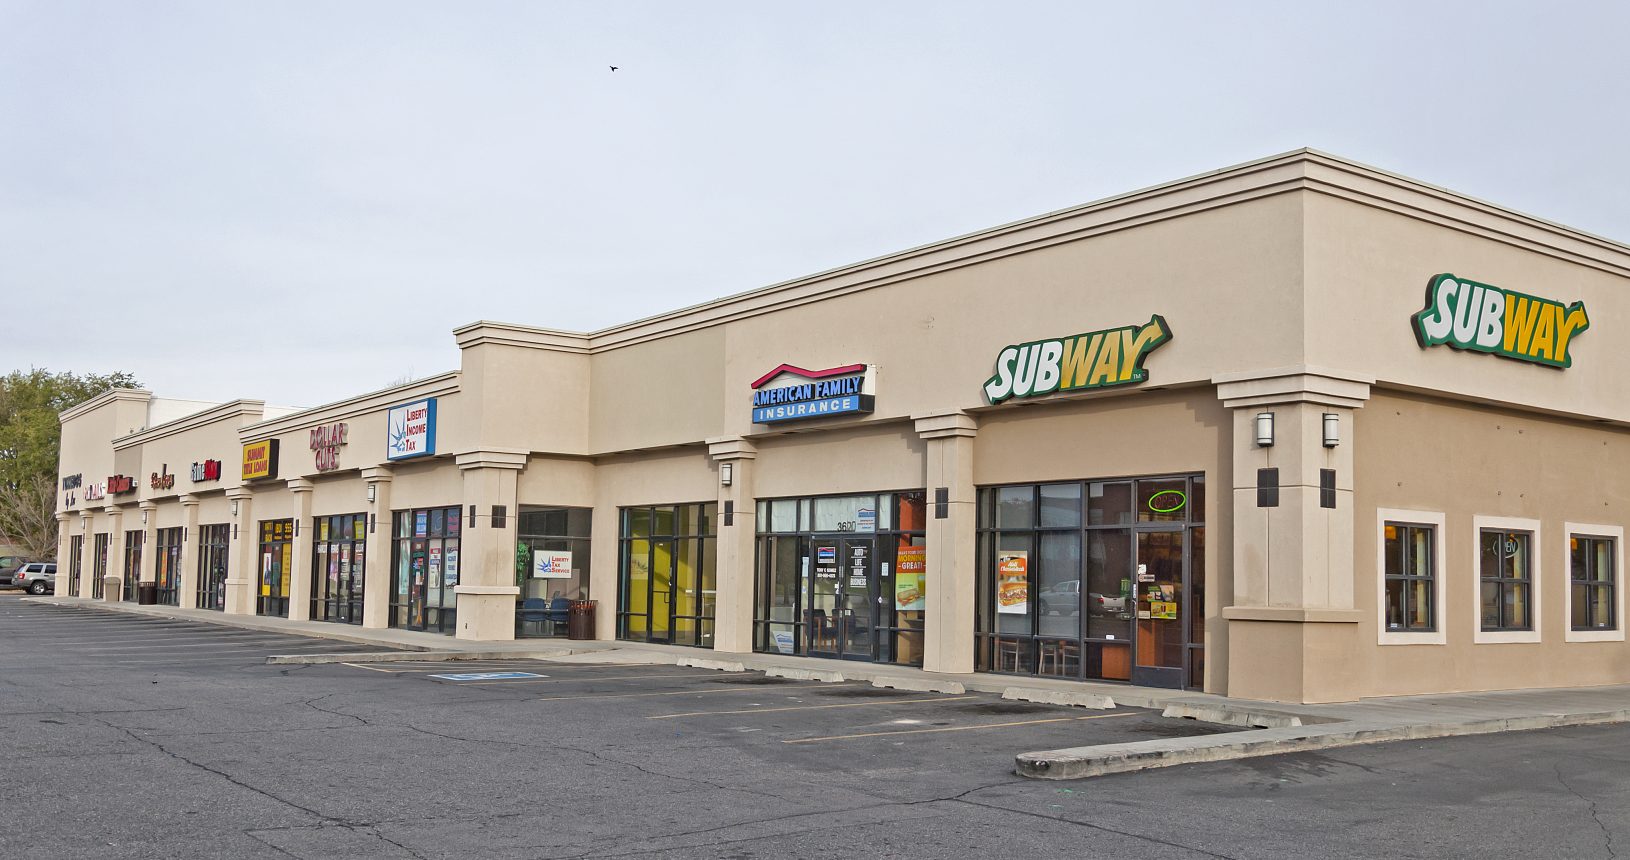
x=298, y=201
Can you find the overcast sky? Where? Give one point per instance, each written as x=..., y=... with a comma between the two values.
x=297, y=201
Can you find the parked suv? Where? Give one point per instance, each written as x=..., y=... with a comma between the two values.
x=36, y=577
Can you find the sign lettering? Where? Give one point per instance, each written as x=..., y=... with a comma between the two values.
x=326, y=442
x=1099, y=359
x=1476, y=317
x=410, y=430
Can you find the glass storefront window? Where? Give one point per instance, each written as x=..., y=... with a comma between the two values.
x=167, y=565
x=1125, y=556
x=425, y=569
x=132, y=568
x=76, y=558
x=276, y=564
x=99, y=565
x=338, y=569
x=213, y=541
x=843, y=576
x=552, y=566
x=668, y=580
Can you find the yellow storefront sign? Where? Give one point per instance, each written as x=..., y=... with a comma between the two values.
x=260, y=460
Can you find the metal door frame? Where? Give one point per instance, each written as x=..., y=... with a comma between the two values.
x=1151, y=676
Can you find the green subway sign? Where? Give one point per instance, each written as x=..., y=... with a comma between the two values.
x=1476, y=317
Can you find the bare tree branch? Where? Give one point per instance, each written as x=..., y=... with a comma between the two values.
x=28, y=516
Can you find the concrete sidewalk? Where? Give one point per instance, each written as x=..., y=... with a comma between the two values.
x=1269, y=728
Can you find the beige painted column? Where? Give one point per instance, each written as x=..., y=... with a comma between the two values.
x=606, y=576
x=948, y=634
x=376, y=567
x=486, y=587
x=62, y=547
x=188, y=596
x=243, y=555
x=304, y=533
x=148, y=572
x=735, y=530
x=1292, y=628
x=113, y=578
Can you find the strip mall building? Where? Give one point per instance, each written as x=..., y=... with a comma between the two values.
x=1298, y=430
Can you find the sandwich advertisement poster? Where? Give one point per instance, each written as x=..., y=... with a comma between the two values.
x=911, y=562
x=1013, y=582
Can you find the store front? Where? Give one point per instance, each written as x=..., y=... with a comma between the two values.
x=167, y=565
x=276, y=566
x=76, y=558
x=842, y=577
x=669, y=575
x=1100, y=580
x=132, y=561
x=99, y=565
x=551, y=567
x=213, y=541
x=425, y=569
x=337, y=568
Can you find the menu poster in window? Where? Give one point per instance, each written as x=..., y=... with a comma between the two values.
x=450, y=574
x=910, y=565
x=1013, y=582
x=435, y=567
x=551, y=564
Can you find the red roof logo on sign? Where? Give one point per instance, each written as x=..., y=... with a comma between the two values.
x=808, y=374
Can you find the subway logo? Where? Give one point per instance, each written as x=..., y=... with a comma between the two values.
x=1482, y=318
x=1096, y=359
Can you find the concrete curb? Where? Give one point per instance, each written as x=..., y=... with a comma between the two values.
x=803, y=674
x=704, y=663
x=919, y=685
x=1231, y=716
x=1059, y=697
x=410, y=657
x=1084, y=762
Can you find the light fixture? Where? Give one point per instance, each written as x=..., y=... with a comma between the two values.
x=1332, y=429
x=726, y=474
x=373, y=490
x=1264, y=429
x=144, y=516
x=234, y=507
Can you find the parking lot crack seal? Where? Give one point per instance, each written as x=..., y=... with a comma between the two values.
x=1607, y=835
x=1087, y=824
x=223, y=775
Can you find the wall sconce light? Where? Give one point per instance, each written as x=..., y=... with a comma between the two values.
x=144, y=516
x=1264, y=429
x=373, y=491
x=234, y=507
x=727, y=473
x=1332, y=429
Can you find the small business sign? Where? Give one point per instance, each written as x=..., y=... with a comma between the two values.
x=118, y=485
x=95, y=492
x=410, y=430
x=260, y=460
x=1098, y=359
x=910, y=587
x=162, y=479
x=847, y=390
x=209, y=470
x=551, y=564
x=326, y=441
x=1476, y=317
x=71, y=482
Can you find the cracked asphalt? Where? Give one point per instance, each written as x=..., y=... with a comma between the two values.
x=132, y=737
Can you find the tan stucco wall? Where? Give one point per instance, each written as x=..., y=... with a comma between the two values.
x=1481, y=461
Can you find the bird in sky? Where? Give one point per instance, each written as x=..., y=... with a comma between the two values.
x=614, y=68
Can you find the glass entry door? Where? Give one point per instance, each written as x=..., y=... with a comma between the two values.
x=1161, y=590
x=843, y=598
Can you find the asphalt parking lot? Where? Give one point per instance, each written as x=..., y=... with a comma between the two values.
x=133, y=737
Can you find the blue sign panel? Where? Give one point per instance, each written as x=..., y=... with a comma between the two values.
x=848, y=404
x=488, y=676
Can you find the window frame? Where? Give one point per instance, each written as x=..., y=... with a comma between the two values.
x=1536, y=576
x=1597, y=531
x=1438, y=522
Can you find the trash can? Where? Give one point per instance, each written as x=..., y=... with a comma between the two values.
x=580, y=620
x=147, y=594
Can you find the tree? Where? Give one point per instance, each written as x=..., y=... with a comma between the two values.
x=30, y=443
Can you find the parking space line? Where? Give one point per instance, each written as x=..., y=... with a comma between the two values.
x=369, y=668
x=956, y=728
x=873, y=702
x=758, y=690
